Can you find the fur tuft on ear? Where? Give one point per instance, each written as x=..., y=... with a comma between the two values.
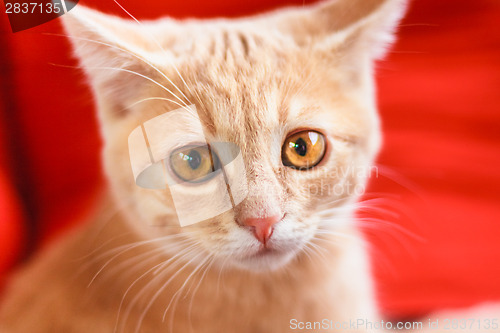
x=366, y=25
x=116, y=54
x=347, y=34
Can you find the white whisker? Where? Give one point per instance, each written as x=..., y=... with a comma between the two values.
x=160, y=290
x=177, y=294
x=161, y=48
x=154, y=98
x=193, y=294
x=129, y=247
x=135, y=56
x=182, y=252
x=156, y=279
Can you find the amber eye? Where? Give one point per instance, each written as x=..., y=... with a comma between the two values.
x=303, y=150
x=194, y=164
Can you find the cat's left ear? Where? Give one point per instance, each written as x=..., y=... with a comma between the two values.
x=353, y=29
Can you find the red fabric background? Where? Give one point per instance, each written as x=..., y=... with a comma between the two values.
x=11, y=216
x=439, y=168
x=11, y=219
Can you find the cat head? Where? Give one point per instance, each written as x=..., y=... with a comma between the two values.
x=292, y=90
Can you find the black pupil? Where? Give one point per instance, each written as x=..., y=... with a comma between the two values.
x=301, y=147
x=194, y=159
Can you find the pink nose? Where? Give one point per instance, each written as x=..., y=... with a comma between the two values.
x=262, y=227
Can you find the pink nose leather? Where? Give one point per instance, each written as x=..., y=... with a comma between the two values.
x=262, y=227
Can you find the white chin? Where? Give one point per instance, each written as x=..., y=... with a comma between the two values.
x=264, y=262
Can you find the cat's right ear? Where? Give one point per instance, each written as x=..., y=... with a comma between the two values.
x=117, y=54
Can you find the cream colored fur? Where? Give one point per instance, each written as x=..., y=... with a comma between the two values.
x=253, y=81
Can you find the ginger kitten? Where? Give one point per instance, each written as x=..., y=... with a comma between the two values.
x=293, y=91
